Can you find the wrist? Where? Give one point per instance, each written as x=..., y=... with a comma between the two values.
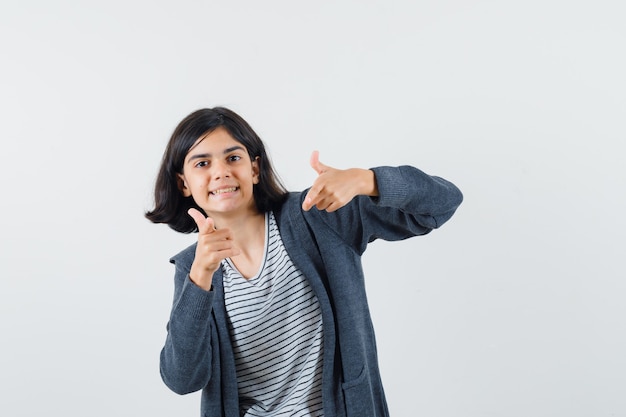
x=368, y=183
x=203, y=280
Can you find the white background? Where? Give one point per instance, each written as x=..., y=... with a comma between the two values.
x=516, y=307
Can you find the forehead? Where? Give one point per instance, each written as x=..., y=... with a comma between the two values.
x=215, y=141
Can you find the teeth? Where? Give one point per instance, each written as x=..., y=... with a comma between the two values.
x=225, y=190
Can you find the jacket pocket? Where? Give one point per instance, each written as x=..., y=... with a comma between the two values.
x=358, y=396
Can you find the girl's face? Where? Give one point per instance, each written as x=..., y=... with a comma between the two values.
x=219, y=174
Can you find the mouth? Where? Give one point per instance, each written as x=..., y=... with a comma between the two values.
x=224, y=190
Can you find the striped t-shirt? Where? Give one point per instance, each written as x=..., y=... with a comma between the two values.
x=275, y=325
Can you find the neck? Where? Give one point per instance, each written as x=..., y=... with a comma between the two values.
x=248, y=235
x=242, y=227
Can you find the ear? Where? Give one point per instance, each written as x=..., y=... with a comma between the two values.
x=182, y=185
x=255, y=170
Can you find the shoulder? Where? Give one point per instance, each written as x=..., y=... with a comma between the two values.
x=292, y=218
x=293, y=202
x=185, y=257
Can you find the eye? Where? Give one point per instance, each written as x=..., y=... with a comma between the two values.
x=234, y=158
x=202, y=164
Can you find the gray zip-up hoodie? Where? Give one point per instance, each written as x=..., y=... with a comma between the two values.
x=327, y=248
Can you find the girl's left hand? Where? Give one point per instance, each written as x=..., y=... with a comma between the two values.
x=334, y=188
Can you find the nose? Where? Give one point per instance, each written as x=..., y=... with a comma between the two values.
x=220, y=170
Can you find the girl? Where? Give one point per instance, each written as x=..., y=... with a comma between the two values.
x=270, y=316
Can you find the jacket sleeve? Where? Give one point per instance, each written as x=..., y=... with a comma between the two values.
x=430, y=199
x=186, y=357
x=410, y=203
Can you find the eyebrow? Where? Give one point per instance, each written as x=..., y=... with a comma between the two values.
x=208, y=155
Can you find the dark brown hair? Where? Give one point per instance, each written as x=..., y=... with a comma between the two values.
x=170, y=205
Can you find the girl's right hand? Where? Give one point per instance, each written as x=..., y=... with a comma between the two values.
x=213, y=246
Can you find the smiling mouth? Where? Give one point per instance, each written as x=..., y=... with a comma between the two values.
x=224, y=190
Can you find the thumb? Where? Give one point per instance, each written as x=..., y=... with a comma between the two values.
x=205, y=224
x=316, y=164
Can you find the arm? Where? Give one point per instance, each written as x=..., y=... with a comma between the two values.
x=186, y=357
x=430, y=199
x=405, y=202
